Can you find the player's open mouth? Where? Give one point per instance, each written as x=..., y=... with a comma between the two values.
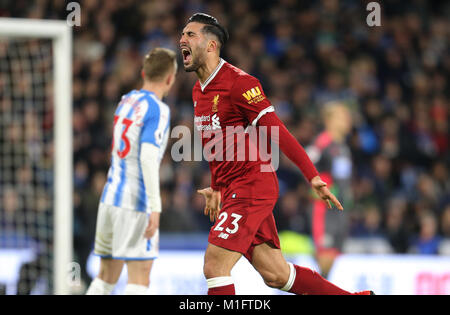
x=187, y=57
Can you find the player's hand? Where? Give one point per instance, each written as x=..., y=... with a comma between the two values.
x=212, y=198
x=153, y=225
x=321, y=189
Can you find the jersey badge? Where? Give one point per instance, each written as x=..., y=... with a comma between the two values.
x=215, y=108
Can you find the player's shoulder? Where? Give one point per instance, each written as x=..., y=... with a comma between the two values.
x=126, y=101
x=126, y=97
x=197, y=87
x=152, y=99
x=238, y=75
x=134, y=96
x=153, y=105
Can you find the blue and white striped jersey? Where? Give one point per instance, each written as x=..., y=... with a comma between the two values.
x=140, y=117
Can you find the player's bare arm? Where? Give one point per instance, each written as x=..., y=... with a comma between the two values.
x=212, y=198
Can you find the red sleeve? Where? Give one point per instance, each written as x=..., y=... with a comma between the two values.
x=213, y=184
x=289, y=145
x=248, y=96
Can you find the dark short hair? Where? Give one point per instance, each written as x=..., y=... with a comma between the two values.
x=212, y=26
x=158, y=62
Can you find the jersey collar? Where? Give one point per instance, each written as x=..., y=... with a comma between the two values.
x=212, y=75
x=146, y=91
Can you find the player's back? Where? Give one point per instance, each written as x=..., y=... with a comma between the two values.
x=139, y=117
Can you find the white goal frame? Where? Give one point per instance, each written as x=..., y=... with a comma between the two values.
x=61, y=35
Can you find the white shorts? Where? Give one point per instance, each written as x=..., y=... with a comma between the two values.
x=120, y=235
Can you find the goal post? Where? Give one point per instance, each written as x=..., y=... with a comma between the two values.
x=61, y=35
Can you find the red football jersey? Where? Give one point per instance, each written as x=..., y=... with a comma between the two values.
x=231, y=98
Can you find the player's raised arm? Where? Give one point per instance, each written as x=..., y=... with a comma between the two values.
x=249, y=97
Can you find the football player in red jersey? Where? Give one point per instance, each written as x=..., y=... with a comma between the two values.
x=242, y=193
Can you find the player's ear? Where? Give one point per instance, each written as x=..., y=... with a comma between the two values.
x=143, y=74
x=212, y=45
x=170, y=78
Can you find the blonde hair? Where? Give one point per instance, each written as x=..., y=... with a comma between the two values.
x=329, y=109
x=158, y=62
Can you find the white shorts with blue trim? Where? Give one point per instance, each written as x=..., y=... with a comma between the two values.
x=120, y=234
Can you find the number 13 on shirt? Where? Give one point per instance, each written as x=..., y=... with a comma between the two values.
x=127, y=124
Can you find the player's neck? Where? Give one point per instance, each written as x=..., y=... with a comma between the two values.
x=204, y=72
x=157, y=89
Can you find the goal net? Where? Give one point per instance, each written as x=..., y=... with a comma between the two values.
x=35, y=157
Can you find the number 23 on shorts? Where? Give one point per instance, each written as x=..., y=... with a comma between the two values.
x=232, y=228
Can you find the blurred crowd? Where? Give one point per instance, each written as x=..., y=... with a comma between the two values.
x=394, y=78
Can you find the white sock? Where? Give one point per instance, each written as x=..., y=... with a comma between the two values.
x=100, y=287
x=135, y=289
x=291, y=279
x=219, y=282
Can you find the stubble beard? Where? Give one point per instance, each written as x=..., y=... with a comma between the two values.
x=192, y=68
x=196, y=64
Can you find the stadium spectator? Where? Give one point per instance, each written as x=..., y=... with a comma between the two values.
x=427, y=241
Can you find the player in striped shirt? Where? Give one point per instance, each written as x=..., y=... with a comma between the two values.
x=130, y=206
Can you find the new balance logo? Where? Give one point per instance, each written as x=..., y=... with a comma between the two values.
x=223, y=235
x=215, y=122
